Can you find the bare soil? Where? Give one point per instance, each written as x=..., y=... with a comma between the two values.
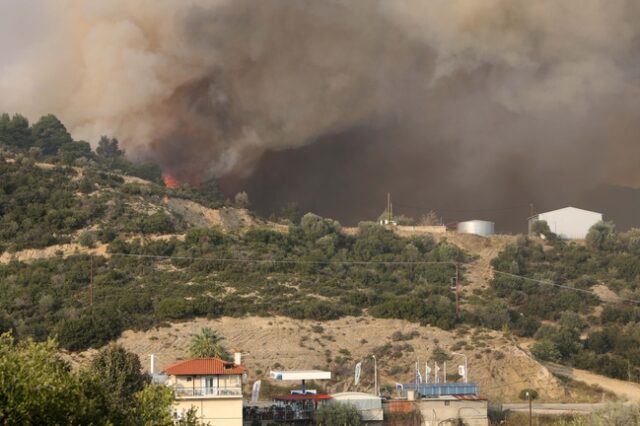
x=498, y=365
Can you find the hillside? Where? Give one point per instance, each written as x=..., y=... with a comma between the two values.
x=93, y=246
x=499, y=366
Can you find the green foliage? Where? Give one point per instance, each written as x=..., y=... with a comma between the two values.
x=337, y=414
x=315, y=227
x=89, y=329
x=15, y=131
x=118, y=374
x=291, y=212
x=541, y=227
x=241, y=200
x=440, y=355
x=606, y=258
x=208, y=344
x=602, y=236
x=546, y=350
x=30, y=366
x=528, y=394
x=109, y=148
x=38, y=388
x=50, y=135
x=87, y=239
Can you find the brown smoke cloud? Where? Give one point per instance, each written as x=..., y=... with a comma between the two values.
x=521, y=92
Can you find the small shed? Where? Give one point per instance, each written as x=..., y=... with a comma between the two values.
x=369, y=406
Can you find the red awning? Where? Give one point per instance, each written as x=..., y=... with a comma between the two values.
x=307, y=397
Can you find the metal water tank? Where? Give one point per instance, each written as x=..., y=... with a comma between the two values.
x=477, y=227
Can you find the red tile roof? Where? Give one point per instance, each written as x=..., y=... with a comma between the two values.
x=204, y=366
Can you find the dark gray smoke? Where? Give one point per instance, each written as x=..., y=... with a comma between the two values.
x=447, y=103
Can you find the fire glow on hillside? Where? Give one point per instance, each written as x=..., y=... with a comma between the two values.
x=170, y=182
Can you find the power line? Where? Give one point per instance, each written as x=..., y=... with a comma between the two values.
x=294, y=261
x=551, y=283
x=359, y=262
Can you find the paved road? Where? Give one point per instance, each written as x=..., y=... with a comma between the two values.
x=553, y=408
x=626, y=390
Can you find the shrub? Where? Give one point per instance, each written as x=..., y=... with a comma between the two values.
x=174, y=308
x=526, y=394
x=546, y=350
x=336, y=414
x=87, y=239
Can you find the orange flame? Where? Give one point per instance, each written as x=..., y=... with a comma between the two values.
x=170, y=182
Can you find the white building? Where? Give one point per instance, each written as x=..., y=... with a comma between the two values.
x=568, y=223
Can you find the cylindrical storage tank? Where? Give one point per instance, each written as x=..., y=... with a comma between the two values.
x=477, y=227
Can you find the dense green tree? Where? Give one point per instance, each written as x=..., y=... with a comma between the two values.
x=528, y=394
x=28, y=366
x=72, y=151
x=208, y=344
x=315, y=227
x=336, y=414
x=602, y=236
x=15, y=131
x=546, y=350
x=119, y=375
x=50, y=135
x=109, y=148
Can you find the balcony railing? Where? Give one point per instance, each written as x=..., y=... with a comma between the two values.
x=207, y=392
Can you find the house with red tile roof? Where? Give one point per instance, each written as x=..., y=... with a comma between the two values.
x=210, y=385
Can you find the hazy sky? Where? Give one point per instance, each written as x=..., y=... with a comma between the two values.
x=22, y=23
x=454, y=105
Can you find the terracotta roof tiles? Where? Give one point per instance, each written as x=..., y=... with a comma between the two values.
x=203, y=366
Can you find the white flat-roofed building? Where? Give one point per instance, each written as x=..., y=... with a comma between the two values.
x=569, y=223
x=301, y=375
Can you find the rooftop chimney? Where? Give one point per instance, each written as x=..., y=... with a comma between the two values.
x=237, y=357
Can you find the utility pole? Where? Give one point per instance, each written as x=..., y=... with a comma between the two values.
x=530, y=417
x=457, y=292
x=91, y=282
x=375, y=375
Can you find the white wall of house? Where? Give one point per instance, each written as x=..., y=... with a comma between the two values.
x=570, y=222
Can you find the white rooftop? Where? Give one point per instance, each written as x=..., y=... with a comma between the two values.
x=301, y=375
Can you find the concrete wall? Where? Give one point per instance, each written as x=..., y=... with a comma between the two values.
x=436, y=412
x=218, y=412
x=570, y=223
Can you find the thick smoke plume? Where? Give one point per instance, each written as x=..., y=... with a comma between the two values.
x=526, y=94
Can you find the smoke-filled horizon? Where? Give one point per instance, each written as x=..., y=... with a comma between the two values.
x=450, y=102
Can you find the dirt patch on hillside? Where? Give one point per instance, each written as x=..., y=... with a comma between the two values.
x=199, y=216
x=498, y=365
x=61, y=250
